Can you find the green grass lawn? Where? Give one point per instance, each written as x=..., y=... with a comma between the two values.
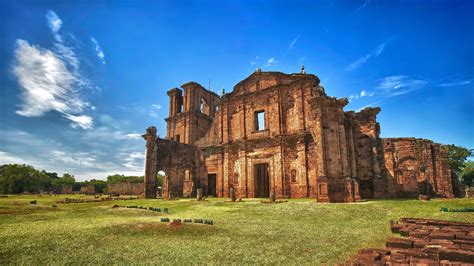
x=296, y=232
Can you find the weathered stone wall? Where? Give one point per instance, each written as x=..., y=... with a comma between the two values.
x=191, y=114
x=89, y=189
x=183, y=166
x=126, y=188
x=309, y=146
x=418, y=166
x=65, y=189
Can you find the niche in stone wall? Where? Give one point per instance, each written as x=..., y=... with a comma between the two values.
x=293, y=176
x=408, y=174
x=187, y=175
x=204, y=107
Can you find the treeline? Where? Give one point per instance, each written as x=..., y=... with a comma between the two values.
x=17, y=179
x=461, y=167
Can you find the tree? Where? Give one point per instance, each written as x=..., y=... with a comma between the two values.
x=468, y=174
x=117, y=178
x=159, y=179
x=15, y=178
x=457, y=159
x=99, y=185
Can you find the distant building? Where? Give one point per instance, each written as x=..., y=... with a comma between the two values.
x=281, y=132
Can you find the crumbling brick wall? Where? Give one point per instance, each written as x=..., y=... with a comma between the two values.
x=88, y=189
x=418, y=166
x=126, y=188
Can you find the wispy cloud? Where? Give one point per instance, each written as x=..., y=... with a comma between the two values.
x=455, y=83
x=361, y=94
x=153, y=112
x=133, y=161
x=46, y=82
x=98, y=50
x=254, y=61
x=54, y=22
x=47, y=85
x=272, y=61
x=134, y=136
x=364, y=5
x=359, y=62
x=397, y=85
x=290, y=47
x=79, y=159
x=391, y=86
x=82, y=121
x=64, y=51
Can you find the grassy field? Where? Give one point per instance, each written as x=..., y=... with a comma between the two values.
x=296, y=232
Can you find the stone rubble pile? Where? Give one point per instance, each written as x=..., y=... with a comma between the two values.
x=424, y=242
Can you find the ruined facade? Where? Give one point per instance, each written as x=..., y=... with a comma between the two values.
x=281, y=133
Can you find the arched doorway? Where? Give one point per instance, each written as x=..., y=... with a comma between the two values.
x=366, y=189
x=407, y=174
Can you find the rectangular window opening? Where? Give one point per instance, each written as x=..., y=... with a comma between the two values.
x=260, y=120
x=178, y=138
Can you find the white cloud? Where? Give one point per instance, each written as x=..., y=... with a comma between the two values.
x=254, y=61
x=302, y=59
x=133, y=161
x=79, y=159
x=47, y=84
x=456, y=83
x=362, y=93
x=54, y=22
x=153, y=114
x=153, y=111
x=290, y=47
x=359, y=62
x=397, y=85
x=134, y=136
x=64, y=51
x=83, y=121
x=8, y=158
x=98, y=50
x=271, y=61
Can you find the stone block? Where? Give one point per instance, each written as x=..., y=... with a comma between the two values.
x=399, y=243
x=456, y=255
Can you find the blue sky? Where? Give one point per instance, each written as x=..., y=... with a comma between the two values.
x=81, y=80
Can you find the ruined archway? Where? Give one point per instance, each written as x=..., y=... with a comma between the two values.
x=407, y=175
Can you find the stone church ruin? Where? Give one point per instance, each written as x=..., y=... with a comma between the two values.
x=281, y=133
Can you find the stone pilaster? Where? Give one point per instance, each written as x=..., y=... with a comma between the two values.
x=150, y=163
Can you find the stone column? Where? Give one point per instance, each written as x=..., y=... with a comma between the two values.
x=150, y=163
x=199, y=194
x=232, y=194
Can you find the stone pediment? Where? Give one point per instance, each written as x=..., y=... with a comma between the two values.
x=263, y=80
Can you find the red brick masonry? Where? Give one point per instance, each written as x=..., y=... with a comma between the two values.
x=425, y=242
